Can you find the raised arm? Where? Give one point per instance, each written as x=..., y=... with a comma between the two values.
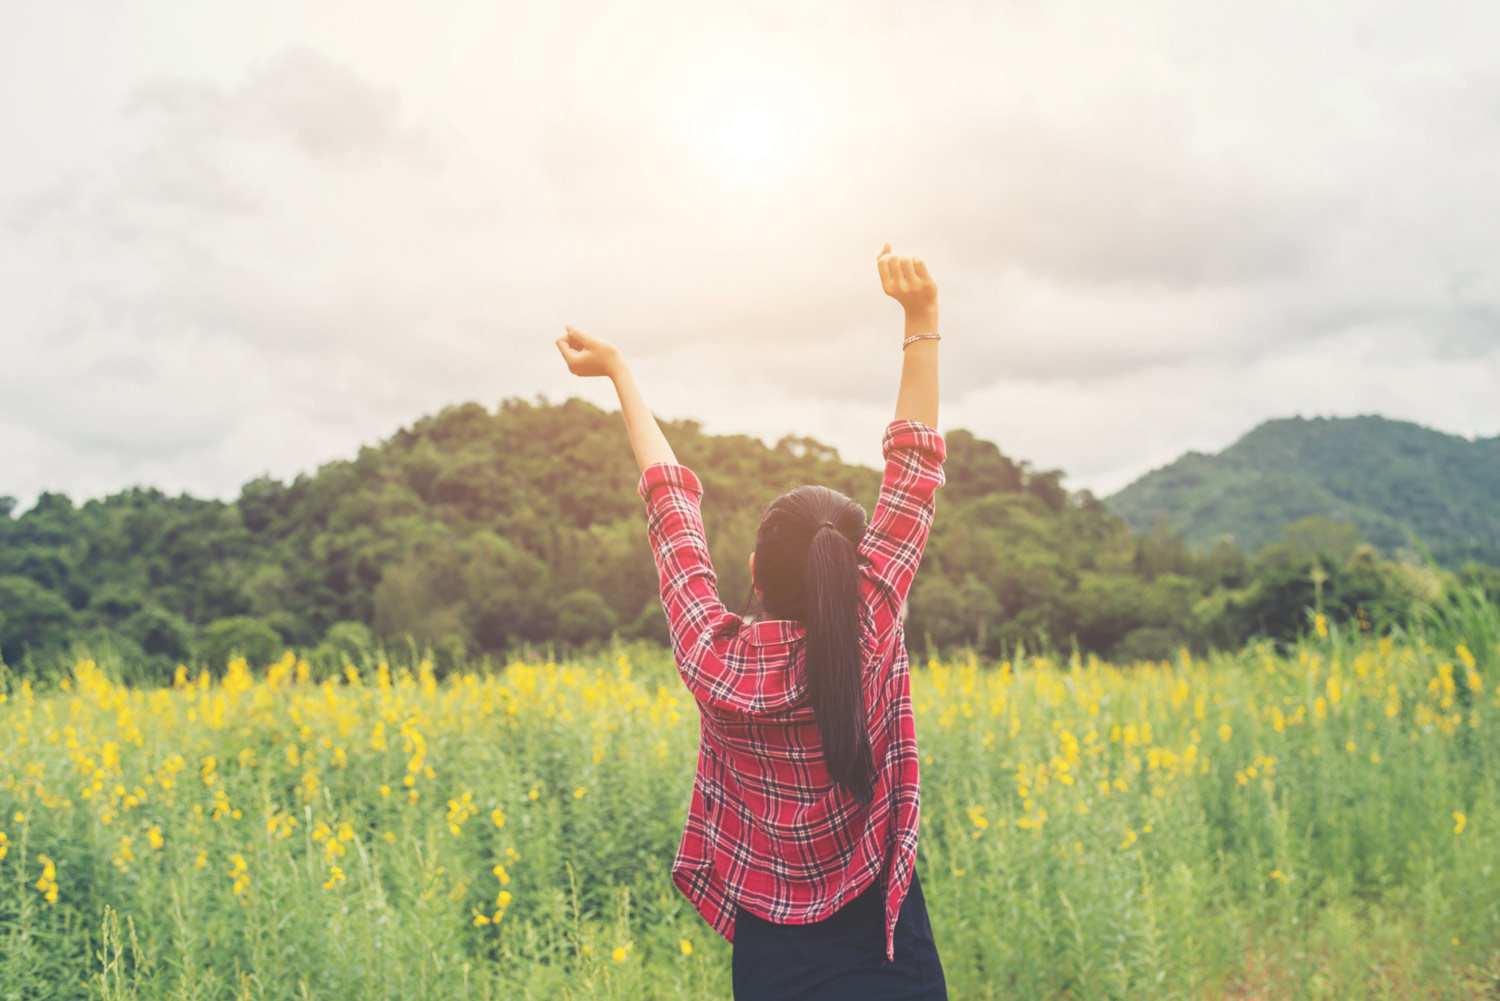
x=696, y=618
x=587, y=355
x=913, y=450
x=906, y=280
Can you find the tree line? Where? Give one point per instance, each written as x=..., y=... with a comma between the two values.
x=475, y=533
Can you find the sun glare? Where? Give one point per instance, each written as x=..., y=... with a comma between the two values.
x=747, y=144
x=750, y=133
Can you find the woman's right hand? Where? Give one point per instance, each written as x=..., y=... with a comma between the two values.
x=906, y=280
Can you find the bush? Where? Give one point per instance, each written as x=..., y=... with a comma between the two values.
x=583, y=616
x=344, y=641
x=161, y=633
x=1147, y=643
x=240, y=636
x=651, y=624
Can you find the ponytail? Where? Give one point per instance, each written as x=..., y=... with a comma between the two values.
x=833, y=662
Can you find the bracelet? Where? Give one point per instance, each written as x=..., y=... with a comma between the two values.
x=919, y=337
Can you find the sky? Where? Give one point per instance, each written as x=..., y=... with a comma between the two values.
x=246, y=240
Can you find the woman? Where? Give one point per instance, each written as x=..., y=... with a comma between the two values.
x=801, y=836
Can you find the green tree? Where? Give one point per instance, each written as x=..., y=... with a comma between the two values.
x=161, y=633
x=35, y=619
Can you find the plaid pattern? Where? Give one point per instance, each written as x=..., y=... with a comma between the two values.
x=766, y=825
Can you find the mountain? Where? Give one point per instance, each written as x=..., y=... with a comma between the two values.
x=480, y=533
x=481, y=530
x=1390, y=478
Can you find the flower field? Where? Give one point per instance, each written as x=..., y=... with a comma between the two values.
x=1319, y=824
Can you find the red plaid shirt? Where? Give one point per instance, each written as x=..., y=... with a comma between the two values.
x=767, y=827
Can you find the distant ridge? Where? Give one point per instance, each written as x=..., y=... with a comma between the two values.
x=1391, y=478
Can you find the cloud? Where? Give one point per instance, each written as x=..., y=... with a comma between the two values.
x=1153, y=227
x=1128, y=202
x=298, y=96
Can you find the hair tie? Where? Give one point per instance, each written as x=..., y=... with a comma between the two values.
x=826, y=524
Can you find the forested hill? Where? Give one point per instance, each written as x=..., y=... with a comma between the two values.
x=471, y=529
x=1391, y=478
x=477, y=531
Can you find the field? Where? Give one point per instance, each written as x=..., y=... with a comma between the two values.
x=1317, y=824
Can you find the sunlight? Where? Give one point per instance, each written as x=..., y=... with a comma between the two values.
x=748, y=144
x=749, y=133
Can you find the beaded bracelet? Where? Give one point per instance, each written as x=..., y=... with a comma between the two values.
x=918, y=337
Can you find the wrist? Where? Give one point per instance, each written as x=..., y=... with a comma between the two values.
x=922, y=321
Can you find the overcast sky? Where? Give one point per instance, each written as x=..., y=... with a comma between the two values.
x=246, y=241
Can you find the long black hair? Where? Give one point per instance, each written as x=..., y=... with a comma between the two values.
x=806, y=570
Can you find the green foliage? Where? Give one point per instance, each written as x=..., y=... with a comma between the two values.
x=651, y=624
x=241, y=636
x=583, y=616
x=1392, y=479
x=474, y=532
x=32, y=619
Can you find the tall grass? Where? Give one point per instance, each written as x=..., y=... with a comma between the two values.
x=1315, y=824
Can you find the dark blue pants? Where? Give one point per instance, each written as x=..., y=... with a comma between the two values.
x=842, y=956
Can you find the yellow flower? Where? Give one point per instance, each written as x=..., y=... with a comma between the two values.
x=620, y=951
x=686, y=946
x=497, y=817
x=1225, y=732
x=1321, y=623
x=578, y=794
x=479, y=919
x=154, y=838
x=47, y=884
x=1459, y=820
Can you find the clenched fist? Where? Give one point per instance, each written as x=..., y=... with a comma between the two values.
x=588, y=355
x=906, y=280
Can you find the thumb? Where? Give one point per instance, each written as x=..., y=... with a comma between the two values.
x=884, y=250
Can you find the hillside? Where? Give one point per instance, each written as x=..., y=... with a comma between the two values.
x=480, y=532
x=1390, y=478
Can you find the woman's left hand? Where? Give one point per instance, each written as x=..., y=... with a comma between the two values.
x=587, y=355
